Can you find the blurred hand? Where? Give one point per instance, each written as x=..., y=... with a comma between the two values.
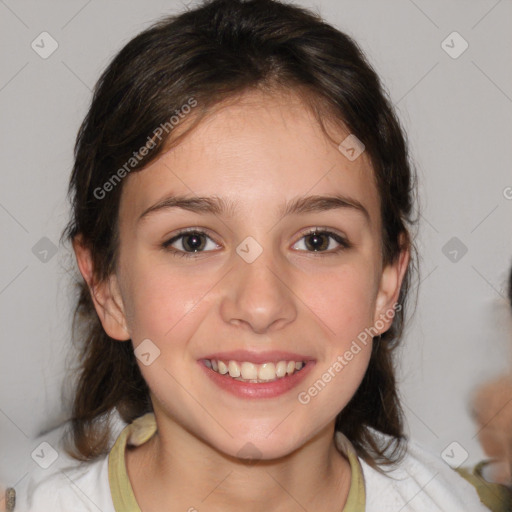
x=492, y=411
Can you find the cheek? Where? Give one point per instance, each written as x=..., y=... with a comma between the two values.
x=344, y=301
x=159, y=300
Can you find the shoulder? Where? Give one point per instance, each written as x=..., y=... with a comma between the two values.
x=81, y=487
x=421, y=481
x=67, y=484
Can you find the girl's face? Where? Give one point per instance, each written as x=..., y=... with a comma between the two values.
x=255, y=290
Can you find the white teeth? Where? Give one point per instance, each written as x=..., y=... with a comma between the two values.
x=267, y=371
x=223, y=369
x=234, y=369
x=250, y=372
x=281, y=369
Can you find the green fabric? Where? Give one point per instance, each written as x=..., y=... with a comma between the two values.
x=495, y=497
x=120, y=487
x=356, y=500
x=143, y=428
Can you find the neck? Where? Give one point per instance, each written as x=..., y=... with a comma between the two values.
x=175, y=467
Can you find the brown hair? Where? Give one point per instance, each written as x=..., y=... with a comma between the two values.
x=211, y=53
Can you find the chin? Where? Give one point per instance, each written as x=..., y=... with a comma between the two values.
x=253, y=448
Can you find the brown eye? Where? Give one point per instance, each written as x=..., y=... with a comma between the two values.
x=189, y=242
x=193, y=242
x=317, y=241
x=322, y=241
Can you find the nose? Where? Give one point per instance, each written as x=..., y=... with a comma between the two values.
x=256, y=296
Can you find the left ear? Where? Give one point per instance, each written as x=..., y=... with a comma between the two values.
x=389, y=290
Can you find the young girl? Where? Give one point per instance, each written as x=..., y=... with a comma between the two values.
x=241, y=203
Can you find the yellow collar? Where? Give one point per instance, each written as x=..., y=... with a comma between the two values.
x=143, y=428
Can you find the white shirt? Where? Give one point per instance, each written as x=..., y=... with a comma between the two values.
x=423, y=482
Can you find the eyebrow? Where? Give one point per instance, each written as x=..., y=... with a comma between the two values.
x=218, y=206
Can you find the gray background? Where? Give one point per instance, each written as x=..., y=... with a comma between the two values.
x=458, y=115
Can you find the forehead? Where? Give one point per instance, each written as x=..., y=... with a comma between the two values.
x=258, y=151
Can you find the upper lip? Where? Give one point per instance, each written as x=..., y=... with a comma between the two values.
x=258, y=357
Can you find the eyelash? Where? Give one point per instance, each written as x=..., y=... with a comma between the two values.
x=344, y=243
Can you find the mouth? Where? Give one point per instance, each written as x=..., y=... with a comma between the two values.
x=246, y=371
x=248, y=374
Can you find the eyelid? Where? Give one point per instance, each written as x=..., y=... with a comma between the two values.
x=184, y=231
x=323, y=229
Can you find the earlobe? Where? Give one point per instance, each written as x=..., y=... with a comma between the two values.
x=389, y=289
x=105, y=295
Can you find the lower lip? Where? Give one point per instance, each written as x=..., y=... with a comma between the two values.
x=258, y=389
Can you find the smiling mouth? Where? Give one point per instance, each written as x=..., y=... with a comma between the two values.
x=254, y=373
